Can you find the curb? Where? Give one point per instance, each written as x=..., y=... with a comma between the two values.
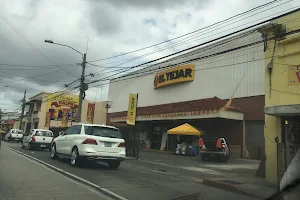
x=228, y=187
x=71, y=176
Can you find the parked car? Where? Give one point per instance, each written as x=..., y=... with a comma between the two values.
x=14, y=135
x=214, y=147
x=38, y=138
x=90, y=142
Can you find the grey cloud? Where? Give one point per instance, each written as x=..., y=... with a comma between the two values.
x=104, y=18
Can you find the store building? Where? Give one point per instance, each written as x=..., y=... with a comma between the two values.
x=282, y=99
x=56, y=110
x=194, y=88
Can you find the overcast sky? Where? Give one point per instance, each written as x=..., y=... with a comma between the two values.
x=112, y=26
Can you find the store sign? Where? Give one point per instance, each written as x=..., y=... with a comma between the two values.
x=131, y=113
x=175, y=75
x=294, y=75
x=90, y=113
x=48, y=118
x=57, y=102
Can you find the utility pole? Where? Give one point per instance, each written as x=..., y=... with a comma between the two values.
x=83, y=88
x=22, y=113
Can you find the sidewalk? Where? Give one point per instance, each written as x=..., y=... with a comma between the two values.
x=23, y=179
x=237, y=175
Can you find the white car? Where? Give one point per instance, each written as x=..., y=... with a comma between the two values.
x=38, y=138
x=14, y=135
x=91, y=142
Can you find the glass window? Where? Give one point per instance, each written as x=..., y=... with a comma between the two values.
x=103, y=131
x=69, y=131
x=76, y=129
x=44, y=133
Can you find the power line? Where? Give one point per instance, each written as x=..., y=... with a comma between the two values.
x=191, y=38
x=25, y=39
x=251, y=10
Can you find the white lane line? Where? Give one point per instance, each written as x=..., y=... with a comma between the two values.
x=106, y=191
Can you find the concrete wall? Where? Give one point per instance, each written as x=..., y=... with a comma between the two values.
x=214, y=76
x=279, y=92
x=254, y=138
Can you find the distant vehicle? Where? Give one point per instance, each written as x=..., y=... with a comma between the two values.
x=14, y=135
x=214, y=147
x=38, y=138
x=90, y=142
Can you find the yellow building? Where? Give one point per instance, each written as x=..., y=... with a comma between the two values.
x=57, y=110
x=282, y=94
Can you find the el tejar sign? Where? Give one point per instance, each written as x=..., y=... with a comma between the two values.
x=175, y=75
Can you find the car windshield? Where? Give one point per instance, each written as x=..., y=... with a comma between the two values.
x=103, y=132
x=43, y=133
x=17, y=131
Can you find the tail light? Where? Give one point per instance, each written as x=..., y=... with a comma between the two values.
x=219, y=144
x=122, y=144
x=9, y=135
x=89, y=141
x=33, y=139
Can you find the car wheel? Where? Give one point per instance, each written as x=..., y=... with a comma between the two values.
x=114, y=164
x=53, y=153
x=74, y=158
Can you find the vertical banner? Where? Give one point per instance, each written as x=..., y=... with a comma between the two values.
x=48, y=118
x=90, y=113
x=64, y=118
x=131, y=113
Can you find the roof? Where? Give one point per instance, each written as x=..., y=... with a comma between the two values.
x=214, y=103
x=100, y=125
x=37, y=129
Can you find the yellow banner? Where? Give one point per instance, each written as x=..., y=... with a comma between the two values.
x=175, y=75
x=294, y=75
x=48, y=118
x=131, y=113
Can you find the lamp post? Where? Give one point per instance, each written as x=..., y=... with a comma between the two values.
x=83, y=86
x=23, y=105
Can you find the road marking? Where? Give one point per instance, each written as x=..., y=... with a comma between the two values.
x=69, y=175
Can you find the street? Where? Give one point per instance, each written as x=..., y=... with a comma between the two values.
x=129, y=181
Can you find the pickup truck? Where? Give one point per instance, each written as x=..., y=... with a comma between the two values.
x=214, y=147
x=14, y=135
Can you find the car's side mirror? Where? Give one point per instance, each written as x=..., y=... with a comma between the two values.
x=61, y=133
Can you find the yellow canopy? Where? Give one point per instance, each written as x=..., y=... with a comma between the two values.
x=185, y=129
x=2, y=131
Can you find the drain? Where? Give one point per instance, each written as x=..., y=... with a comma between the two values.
x=231, y=182
x=162, y=170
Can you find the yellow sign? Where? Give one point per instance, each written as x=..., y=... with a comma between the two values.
x=175, y=75
x=56, y=104
x=294, y=75
x=131, y=113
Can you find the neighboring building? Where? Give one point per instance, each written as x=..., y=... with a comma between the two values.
x=56, y=110
x=7, y=124
x=210, y=83
x=282, y=99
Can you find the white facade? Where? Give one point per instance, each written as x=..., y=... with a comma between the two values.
x=217, y=75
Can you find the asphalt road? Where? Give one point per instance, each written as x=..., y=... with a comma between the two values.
x=134, y=182
x=23, y=179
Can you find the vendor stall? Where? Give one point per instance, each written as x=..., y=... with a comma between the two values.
x=187, y=139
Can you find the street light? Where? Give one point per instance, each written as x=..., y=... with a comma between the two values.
x=83, y=86
x=23, y=105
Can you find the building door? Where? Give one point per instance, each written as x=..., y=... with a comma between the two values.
x=291, y=139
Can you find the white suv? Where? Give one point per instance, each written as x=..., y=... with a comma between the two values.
x=90, y=142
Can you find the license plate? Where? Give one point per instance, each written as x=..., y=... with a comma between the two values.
x=43, y=145
x=107, y=144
